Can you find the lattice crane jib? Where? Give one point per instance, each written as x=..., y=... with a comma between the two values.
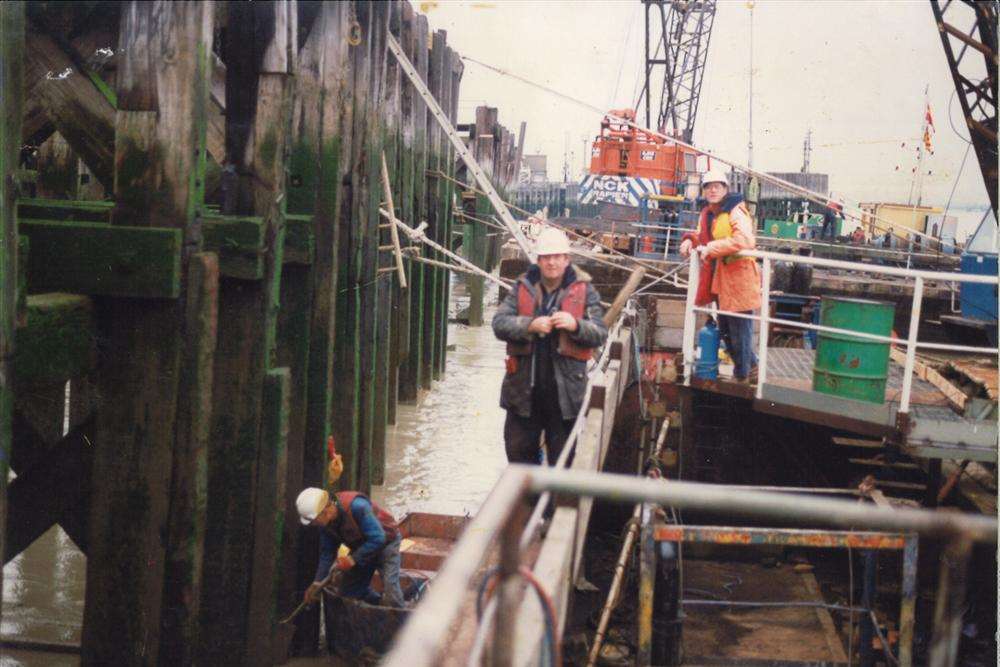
x=677, y=39
x=969, y=35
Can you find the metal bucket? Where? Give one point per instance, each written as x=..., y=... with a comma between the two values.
x=848, y=366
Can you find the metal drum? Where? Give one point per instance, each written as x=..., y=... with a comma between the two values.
x=848, y=366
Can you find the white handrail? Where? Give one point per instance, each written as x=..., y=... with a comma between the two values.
x=869, y=268
x=911, y=343
x=850, y=332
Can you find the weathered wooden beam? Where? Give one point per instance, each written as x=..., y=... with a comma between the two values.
x=11, y=110
x=159, y=161
x=107, y=260
x=410, y=379
x=269, y=513
x=57, y=341
x=434, y=275
x=75, y=106
x=189, y=485
x=371, y=289
x=261, y=61
x=326, y=125
x=57, y=209
x=385, y=379
x=450, y=105
x=346, y=401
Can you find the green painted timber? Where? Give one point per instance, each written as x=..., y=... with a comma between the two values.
x=239, y=242
x=848, y=366
x=57, y=342
x=299, y=245
x=98, y=259
x=23, y=245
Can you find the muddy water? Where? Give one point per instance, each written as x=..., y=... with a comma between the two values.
x=43, y=599
x=443, y=455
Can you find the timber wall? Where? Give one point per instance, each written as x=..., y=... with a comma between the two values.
x=191, y=238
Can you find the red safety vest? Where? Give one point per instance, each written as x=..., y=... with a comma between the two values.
x=347, y=528
x=574, y=302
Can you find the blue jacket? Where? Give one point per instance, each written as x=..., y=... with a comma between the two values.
x=330, y=540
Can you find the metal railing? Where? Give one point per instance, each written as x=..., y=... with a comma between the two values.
x=911, y=343
x=498, y=525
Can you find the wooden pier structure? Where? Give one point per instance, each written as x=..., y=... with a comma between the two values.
x=191, y=240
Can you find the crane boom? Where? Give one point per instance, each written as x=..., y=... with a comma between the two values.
x=978, y=98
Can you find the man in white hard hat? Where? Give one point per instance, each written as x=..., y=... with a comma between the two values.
x=726, y=227
x=552, y=321
x=372, y=535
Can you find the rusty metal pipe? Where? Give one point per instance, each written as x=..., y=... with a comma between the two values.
x=763, y=504
x=615, y=589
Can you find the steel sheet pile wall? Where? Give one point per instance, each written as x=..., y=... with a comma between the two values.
x=233, y=301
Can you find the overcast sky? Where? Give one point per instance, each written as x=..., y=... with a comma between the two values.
x=854, y=72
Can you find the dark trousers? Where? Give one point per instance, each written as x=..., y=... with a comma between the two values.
x=738, y=334
x=522, y=435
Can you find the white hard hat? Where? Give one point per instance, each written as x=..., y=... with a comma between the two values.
x=715, y=176
x=310, y=503
x=552, y=241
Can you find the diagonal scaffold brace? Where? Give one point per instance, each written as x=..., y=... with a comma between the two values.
x=477, y=172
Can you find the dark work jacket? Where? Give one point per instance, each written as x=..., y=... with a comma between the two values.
x=570, y=373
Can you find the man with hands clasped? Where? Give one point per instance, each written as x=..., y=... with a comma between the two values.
x=552, y=322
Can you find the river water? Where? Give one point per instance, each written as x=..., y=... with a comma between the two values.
x=443, y=455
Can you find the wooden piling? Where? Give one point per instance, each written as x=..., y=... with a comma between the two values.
x=11, y=103
x=386, y=388
x=159, y=145
x=261, y=52
x=189, y=480
x=404, y=200
x=432, y=275
x=268, y=520
x=320, y=155
x=411, y=375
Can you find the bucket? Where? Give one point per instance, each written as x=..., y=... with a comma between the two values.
x=848, y=366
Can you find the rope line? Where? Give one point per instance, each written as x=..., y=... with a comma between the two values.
x=821, y=199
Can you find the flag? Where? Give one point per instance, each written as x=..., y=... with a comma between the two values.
x=928, y=128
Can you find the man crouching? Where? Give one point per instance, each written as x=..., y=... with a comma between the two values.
x=371, y=534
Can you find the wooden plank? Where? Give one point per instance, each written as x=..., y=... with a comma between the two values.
x=188, y=488
x=159, y=157
x=927, y=373
x=57, y=341
x=269, y=516
x=258, y=116
x=106, y=260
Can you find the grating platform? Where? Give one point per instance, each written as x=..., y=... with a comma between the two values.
x=935, y=430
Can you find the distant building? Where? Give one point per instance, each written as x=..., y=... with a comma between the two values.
x=900, y=217
x=816, y=182
x=538, y=166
